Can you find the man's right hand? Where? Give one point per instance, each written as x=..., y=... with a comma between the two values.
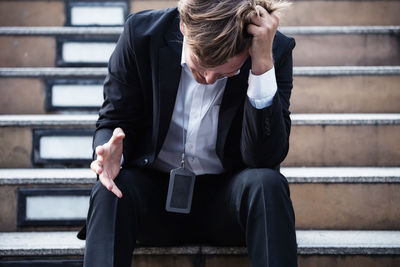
x=108, y=162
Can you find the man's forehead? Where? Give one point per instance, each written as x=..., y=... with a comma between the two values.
x=232, y=64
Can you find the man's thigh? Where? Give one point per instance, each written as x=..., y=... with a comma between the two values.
x=220, y=203
x=147, y=191
x=215, y=216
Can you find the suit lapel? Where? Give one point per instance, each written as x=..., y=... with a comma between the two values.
x=169, y=72
x=234, y=95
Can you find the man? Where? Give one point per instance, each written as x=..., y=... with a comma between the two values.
x=207, y=84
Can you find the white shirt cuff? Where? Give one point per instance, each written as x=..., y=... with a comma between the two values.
x=262, y=89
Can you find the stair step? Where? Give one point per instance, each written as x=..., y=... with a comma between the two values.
x=68, y=176
x=373, y=90
x=295, y=175
x=351, y=195
x=337, y=139
x=39, y=72
x=349, y=12
x=85, y=120
x=326, y=175
x=32, y=13
x=37, y=47
x=116, y=31
x=309, y=242
x=297, y=119
x=63, y=12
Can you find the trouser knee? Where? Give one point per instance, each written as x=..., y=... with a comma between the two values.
x=268, y=181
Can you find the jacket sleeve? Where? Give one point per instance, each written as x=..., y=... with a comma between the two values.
x=265, y=132
x=122, y=106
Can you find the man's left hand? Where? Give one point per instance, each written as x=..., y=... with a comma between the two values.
x=263, y=29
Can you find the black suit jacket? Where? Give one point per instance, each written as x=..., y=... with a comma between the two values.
x=141, y=87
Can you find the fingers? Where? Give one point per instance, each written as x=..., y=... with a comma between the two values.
x=253, y=30
x=99, y=150
x=261, y=26
x=111, y=186
x=262, y=17
x=116, y=191
x=261, y=11
x=96, y=167
x=118, y=135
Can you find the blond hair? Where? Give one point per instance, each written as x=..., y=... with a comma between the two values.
x=216, y=30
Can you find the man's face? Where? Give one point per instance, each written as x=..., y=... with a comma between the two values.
x=211, y=75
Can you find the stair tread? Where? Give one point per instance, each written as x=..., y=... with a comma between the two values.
x=297, y=119
x=101, y=71
x=95, y=31
x=293, y=174
x=331, y=242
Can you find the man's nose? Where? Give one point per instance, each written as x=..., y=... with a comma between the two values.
x=210, y=77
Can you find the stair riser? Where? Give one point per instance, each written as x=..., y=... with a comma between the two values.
x=353, y=94
x=346, y=50
x=346, y=206
x=41, y=99
x=353, y=206
x=233, y=261
x=348, y=261
x=17, y=144
x=351, y=145
x=310, y=145
x=24, y=51
x=303, y=261
x=328, y=94
x=324, y=13
x=311, y=50
x=29, y=13
x=14, y=98
x=9, y=208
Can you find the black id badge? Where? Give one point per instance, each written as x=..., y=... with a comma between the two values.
x=180, y=190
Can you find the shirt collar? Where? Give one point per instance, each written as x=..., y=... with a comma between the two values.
x=183, y=62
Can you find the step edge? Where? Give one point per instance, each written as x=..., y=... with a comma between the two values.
x=307, y=119
x=115, y=31
x=304, y=247
x=294, y=175
x=50, y=72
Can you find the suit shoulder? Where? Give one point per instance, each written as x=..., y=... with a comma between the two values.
x=282, y=40
x=282, y=47
x=144, y=22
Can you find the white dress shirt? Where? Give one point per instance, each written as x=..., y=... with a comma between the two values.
x=199, y=119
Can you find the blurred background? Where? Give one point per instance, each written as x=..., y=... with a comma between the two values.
x=344, y=160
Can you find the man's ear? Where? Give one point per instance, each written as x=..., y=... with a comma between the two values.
x=182, y=27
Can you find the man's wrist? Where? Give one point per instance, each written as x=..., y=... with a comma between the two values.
x=260, y=67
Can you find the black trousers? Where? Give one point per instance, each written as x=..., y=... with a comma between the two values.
x=251, y=208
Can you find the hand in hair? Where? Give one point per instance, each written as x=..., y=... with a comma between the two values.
x=263, y=28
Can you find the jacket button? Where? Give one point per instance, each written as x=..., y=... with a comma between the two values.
x=145, y=161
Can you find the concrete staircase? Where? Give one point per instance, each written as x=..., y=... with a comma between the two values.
x=344, y=161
